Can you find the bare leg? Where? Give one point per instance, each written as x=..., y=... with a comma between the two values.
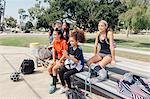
x=54, y=70
x=50, y=68
x=94, y=59
x=106, y=60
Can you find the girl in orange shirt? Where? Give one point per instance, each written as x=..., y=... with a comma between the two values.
x=59, y=46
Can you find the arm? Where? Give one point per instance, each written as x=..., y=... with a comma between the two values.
x=96, y=43
x=112, y=48
x=73, y=59
x=54, y=51
x=62, y=58
x=77, y=56
x=65, y=46
x=54, y=55
x=64, y=50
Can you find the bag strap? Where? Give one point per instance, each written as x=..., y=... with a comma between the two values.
x=142, y=82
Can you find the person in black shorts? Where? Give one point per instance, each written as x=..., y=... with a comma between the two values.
x=106, y=54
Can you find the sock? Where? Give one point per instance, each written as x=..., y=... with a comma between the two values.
x=97, y=68
x=56, y=77
x=54, y=80
x=51, y=75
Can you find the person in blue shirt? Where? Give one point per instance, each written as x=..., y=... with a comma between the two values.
x=74, y=62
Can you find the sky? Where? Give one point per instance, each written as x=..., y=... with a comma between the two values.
x=12, y=7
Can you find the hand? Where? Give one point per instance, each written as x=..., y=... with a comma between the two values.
x=54, y=62
x=114, y=44
x=65, y=54
x=113, y=62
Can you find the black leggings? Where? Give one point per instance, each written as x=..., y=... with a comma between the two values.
x=65, y=74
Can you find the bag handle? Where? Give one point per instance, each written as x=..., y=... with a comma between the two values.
x=141, y=81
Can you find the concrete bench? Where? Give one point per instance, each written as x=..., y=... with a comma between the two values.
x=109, y=87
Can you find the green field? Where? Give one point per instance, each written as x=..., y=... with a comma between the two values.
x=138, y=42
x=23, y=41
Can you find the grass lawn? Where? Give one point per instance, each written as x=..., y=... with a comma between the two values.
x=133, y=43
x=134, y=56
x=138, y=42
x=23, y=41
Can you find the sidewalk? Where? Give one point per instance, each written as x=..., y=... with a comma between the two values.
x=34, y=86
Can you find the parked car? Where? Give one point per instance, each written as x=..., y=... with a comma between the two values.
x=15, y=30
x=27, y=31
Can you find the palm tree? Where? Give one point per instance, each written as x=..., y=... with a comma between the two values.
x=21, y=13
x=2, y=10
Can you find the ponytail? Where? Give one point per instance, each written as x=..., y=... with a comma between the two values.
x=59, y=33
x=78, y=35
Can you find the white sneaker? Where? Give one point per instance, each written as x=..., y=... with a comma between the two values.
x=103, y=74
x=62, y=90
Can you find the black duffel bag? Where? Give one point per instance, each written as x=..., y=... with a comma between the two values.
x=75, y=94
x=27, y=66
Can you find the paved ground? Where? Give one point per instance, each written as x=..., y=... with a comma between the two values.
x=33, y=86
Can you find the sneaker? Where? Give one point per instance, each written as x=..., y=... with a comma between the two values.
x=94, y=70
x=93, y=73
x=62, y=90
x=52, y=89
x=102, y=75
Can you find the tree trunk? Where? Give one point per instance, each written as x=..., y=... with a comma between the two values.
x=127, y=32
x=147, y=31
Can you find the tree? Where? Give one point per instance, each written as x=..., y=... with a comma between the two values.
x=86, y=13
x=35, y=11
x=38, y=13
x=21, y=12
x=147, y=19
x=22, y=17
x=10, y=22
x=42, y=23
x=28, y=25
x=135, y=18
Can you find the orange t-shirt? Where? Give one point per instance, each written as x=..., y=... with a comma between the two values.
x=60, y=46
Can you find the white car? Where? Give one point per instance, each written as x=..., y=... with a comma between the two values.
x=16, y=30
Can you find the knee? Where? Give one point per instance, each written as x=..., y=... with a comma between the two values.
x=50, y=69
x=54, y=69
x=89, y=62
x=60, y=72
x=102, y=64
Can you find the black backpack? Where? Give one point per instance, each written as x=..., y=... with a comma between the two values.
x=27, y=66
x=75, y=94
